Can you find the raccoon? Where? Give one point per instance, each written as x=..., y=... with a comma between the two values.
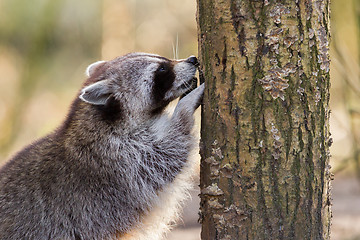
x=117, y=167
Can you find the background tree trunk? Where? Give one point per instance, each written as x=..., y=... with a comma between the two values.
x=265, y=170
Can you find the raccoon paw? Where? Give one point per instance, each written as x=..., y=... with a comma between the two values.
x=192, y=101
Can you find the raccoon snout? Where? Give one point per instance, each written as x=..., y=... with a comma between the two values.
x=193, y=60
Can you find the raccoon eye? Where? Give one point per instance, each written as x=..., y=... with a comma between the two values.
x=162, y=69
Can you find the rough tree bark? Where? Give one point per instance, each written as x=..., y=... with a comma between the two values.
x=265, y=170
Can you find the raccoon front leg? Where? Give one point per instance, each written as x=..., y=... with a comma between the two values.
x=183, y=114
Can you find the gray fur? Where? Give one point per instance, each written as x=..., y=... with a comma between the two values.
x=101, y=171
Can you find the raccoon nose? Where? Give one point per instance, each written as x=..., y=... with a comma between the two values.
x=193, y=60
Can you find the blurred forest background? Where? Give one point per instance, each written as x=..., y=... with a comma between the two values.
x=46, y=45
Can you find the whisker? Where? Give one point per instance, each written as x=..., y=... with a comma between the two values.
x=173, y=48
x=188, y=86
x=177, y=45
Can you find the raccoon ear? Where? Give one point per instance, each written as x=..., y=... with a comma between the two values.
x=92, y=67
x=97, y=93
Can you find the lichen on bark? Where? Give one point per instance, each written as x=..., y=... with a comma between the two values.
x=265, y=119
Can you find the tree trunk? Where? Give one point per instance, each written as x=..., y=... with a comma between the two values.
x=265, y=170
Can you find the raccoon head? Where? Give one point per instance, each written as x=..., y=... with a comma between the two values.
x=140, y=83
